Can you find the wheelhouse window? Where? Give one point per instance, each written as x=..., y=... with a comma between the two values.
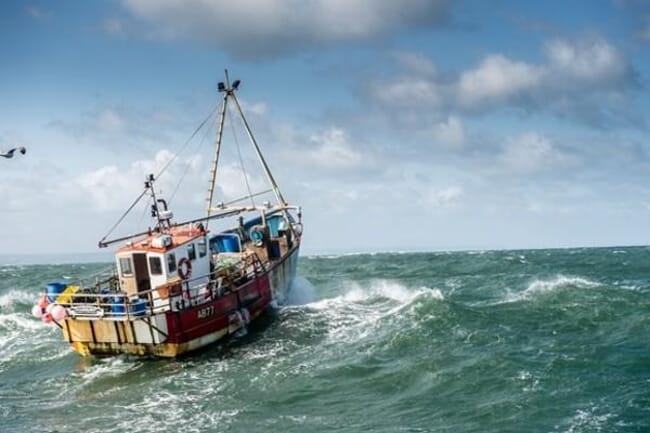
x=171, y=262
x=203, y=248
x=191, y=252
x=155, y=265
x=126, y=268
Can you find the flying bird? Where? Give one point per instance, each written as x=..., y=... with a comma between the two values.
x=10, y=152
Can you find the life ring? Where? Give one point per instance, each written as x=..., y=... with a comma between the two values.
x=184, y=268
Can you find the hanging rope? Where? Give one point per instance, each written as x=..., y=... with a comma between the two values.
x=241, y=160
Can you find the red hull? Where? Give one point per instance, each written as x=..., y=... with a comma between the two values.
x=214, y=316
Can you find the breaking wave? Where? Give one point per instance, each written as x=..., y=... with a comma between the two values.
x=541, y=287
x=16, y=297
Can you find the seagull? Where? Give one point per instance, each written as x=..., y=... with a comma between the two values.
x=10, y=152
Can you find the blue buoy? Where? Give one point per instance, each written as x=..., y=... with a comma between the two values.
x=138, y=307
x=53, y=290
x=118, y=307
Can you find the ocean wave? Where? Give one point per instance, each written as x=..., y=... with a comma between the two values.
x=109, y=367
x=360, y=312
x=16, y=297
x=542, y=287
x=378, y=290
x=20, y=322
x=23, y=337
x=559, y=282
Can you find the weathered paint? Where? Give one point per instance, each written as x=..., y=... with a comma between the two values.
x=173, y=333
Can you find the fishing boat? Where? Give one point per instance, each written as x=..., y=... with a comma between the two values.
x=177, y=286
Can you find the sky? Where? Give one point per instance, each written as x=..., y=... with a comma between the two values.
x=418, y=125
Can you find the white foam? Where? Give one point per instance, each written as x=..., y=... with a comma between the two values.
x=540, y=287
x=14, y=297
x=360, y=311
x=560, y=282
x=20, y=321
x=21, y=334
x=379, y=290
x=588, y=421
x=110, y=367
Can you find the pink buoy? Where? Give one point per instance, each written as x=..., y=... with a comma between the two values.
x=47, y=318
x=37, y=311
x=58, y=312
x=43, y=302
x=49, y=307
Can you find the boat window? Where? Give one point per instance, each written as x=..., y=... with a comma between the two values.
x=171, y=262
x=191, y=252
x=125, y=266
x=202, y=248
x=155, y=266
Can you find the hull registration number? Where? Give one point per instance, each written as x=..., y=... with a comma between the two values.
x=206, y=312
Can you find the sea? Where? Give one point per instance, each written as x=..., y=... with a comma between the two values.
x=551, y=340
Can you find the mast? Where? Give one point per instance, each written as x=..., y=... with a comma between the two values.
x=229, y=92
x=215, y=162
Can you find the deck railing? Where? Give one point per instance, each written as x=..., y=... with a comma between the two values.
x=104, y=300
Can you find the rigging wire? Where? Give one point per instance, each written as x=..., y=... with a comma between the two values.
x=188, y=166
x=187, y=142
x=119, y=221
x=144, y=212
x=124, y=215
x=241, y=160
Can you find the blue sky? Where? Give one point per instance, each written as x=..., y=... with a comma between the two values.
x=411, y=125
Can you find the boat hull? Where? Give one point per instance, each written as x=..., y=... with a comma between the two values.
x=173, y=333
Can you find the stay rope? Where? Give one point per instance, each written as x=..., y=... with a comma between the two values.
x=160, y=173
x=241, y=160
x=188, y=165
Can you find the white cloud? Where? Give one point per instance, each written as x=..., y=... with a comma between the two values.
x=254, y=108
x=416, y=63
x=415, y=92
x=117, y=127
x=232, y=183
x=529, y=153
x=449, y=133
x=110, y=120
x=111, y=187
x=265, y=28
x=587, y=79
x=442, y=197
x=594, y=60
x=331, y=149
x=497, y=78
x=114, y=26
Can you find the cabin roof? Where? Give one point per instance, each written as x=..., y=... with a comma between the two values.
x=179, y=235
